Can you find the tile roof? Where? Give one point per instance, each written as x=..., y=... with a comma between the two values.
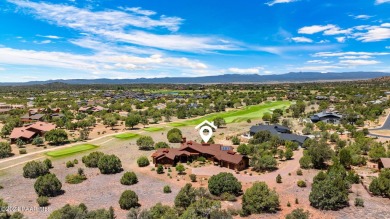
x=42, y=126
x=21, y=132
x=215, y=150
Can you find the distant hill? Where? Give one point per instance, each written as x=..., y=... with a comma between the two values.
x=293, y=77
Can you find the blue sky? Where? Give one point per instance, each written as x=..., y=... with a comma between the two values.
x=64, y=39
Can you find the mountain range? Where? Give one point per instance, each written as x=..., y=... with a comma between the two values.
x=294, y=77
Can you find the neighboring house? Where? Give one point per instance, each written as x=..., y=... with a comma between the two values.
x=32, y=116
x=8, y=107
x=384, y=163
x=327, y=117
x=283, y=132
x=321, y=97
x=88, y=109
x=224, y=156
x=28, y=132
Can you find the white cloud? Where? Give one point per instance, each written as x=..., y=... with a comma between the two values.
x=302, y=40
x=95, y=62
x=356, y=57
x=320, y=68
x=359, y=62
x=315, y=29
x=362, y=17
x=381, y=1
x=139, y=10
x=336, y=54
x=318, y=62
x=387, y=47
x=337, y=31
x=50, y=36
x=84, y=19
x=42, y=42
x=245, y=70
x=340, y=39
x=120, y=26
x=374, y=33
x=271, y=3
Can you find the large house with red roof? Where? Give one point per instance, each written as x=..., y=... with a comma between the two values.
x=29, y=132
x=224, y=156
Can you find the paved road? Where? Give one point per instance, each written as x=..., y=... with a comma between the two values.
x=385, y=126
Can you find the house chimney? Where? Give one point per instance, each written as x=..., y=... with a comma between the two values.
x=183, y=140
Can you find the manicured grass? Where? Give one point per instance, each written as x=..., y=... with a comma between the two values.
x=126, y=136
x=153, y=129
x=71, y=150
x=250, y=112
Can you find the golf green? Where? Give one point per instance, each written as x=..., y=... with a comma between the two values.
x=71, y=150
x=126, y=136
x=250, y=112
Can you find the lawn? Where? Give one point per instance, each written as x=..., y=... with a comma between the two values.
x=250, y=112
x=71, y=150
x=126, y=136
x=153, y=129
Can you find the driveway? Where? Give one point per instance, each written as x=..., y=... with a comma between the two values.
x=285, y=168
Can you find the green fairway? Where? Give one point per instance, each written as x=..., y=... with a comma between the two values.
x=153, y=129
x=71, y=150
x=126, y=136
x=250, y=112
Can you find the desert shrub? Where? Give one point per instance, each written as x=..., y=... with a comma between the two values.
x=69, y=164
x=167, y=189
x=381, y=186
x=299, y=172
x=75, y=161
x=289, y=154
x=48, y=163
x=48, y=185
x=34, y=169
x=145, y=142
x=185, y=197
x=43, y=201
x=330, y=190
x=129, y=178
x=128, y=199
x=143, y=161
x=224, y=182
x=359, y=202
x=263, y=163
x=5, y=149
x=259, y=199
x=301, y=183
x=305, y=162
x=174, y=135
x=92, y=159
x=37, y=141
x=180, y=168
x=81, y=211
x=160, y=169
x=56, y=136
x=279, y=178
x=161, y=144
x=22, y=151
x=75, y=178
x=201, y=159
x=109, y=164
x=193, y=177
x=235, y=140
x=228, y=197
x=298, y=214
